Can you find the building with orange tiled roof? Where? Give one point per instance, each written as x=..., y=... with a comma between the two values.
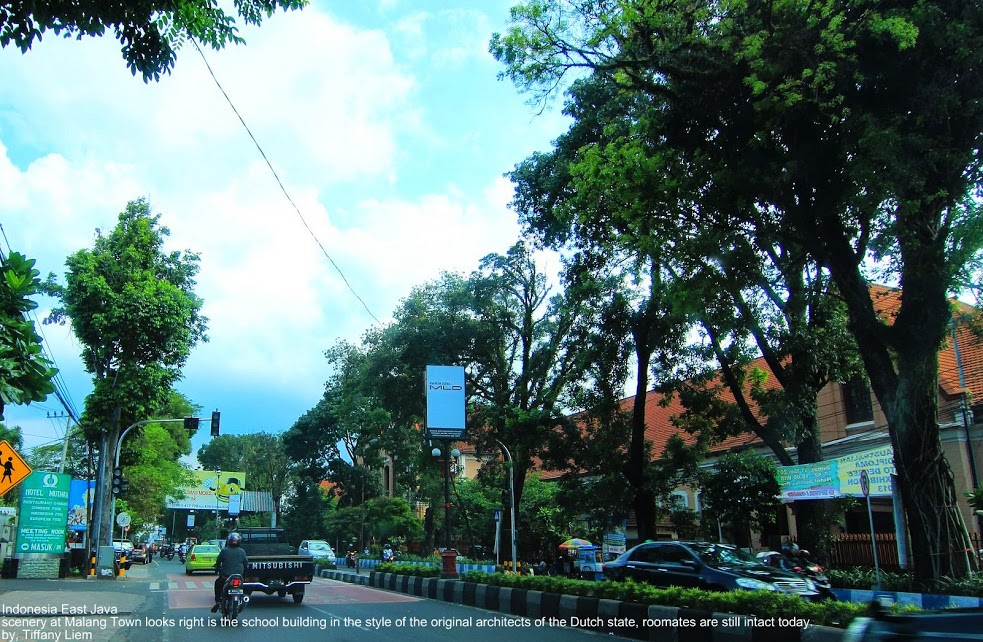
x=852, y=422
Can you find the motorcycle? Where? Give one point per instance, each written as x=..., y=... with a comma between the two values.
x=351, y=560
x=181, y=556
x=813, y=571
x=234, y=598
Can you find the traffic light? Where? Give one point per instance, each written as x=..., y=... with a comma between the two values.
x=191, y=424
x=124, y=485
x=117, y=481
x=215, y=418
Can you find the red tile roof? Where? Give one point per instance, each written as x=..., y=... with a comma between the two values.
x=887, y=302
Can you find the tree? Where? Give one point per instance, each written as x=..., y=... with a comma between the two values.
x=150, y=31
x=25, y=373
x=134, y=310
x=826, y=120
x=514, y=338
x=742, y=492
x=261, y=456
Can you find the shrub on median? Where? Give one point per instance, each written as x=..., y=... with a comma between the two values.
x=761, y=604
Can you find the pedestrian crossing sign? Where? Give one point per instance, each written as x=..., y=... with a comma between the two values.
x=15, y=469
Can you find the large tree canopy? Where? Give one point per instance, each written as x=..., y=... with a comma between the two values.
x=151, y=31
x=854, y=127
x=134, y=310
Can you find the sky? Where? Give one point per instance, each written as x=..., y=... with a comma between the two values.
x=387, y=125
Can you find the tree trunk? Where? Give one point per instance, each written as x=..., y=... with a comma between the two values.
x=810, y=515
x=902, y=362
x=642, y=499
x=106, y=491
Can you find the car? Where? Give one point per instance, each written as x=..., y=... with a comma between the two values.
x=140, y=554
x=217, y=542
x=948, y=624
x=201, y=558
x=318, y=549
x=705, y=565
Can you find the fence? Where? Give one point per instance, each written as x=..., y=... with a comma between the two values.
x=855, y=550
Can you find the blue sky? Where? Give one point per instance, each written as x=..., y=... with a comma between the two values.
x=387, y=124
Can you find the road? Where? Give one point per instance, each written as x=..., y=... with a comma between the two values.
x=159, y=602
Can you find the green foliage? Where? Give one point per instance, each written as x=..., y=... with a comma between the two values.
x=134, y=310
x=865, y=578
x=260, y=455
x=741, y=491
x=763, y=604
x=25, y=374
x=155, y=473
x=151, y=32
x=413, y=570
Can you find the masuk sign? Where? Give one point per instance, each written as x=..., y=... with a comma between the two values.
x=43, y=513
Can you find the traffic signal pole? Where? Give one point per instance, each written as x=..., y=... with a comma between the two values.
x=119, y=445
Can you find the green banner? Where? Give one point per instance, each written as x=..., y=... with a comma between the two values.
x=43, y=513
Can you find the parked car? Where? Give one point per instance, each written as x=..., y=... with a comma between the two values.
x=201, y=558
x=705, y=565
x=949, y=624
x=318, y=549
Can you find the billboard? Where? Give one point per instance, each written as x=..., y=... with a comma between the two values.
x=43, y=513
x=211, y=490
x=80, y=497
x=839, y=477
x=445, y=402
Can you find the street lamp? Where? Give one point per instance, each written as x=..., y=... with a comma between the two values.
x=450, y=565
x=218, y=486
x=512, y=501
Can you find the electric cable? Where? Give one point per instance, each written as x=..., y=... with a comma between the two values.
x=280, y=183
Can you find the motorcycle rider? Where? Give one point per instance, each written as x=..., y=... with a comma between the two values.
x=352, y=555
x=231, y=561
x=388, y=554
x=790, y=556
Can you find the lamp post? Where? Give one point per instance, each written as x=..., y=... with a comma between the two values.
x=512, y=502
x=218, y=486
x=449, y=556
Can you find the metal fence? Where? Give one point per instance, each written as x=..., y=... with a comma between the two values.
x=856, y=550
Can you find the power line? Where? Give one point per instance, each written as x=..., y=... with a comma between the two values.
x=280, y=183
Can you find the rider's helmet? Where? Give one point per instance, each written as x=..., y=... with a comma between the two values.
x=388, y=545
x=234, y=539
x=790, y=548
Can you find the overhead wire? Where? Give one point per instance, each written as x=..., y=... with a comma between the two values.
x=283, y=189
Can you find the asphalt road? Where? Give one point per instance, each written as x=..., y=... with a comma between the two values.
x=159, y=602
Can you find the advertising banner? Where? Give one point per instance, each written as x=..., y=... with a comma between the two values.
x=80, y=496
x=43, y=513
x=211, y=490
x=445, y=402
x=839, y=477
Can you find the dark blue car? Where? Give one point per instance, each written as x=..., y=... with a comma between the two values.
x=705, y=565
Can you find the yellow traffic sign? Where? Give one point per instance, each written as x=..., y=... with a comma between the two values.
x=14, y=468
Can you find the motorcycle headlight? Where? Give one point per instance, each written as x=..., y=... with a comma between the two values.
x=755, y=585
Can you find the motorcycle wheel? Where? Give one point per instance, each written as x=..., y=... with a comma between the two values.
x=230, y=609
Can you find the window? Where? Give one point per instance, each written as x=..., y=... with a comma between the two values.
x=647, y=554
x=856, y=400
x=671, y=554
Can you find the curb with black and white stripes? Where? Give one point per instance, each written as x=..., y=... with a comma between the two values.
x=627, y=619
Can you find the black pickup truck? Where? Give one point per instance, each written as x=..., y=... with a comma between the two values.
x=273, y=565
